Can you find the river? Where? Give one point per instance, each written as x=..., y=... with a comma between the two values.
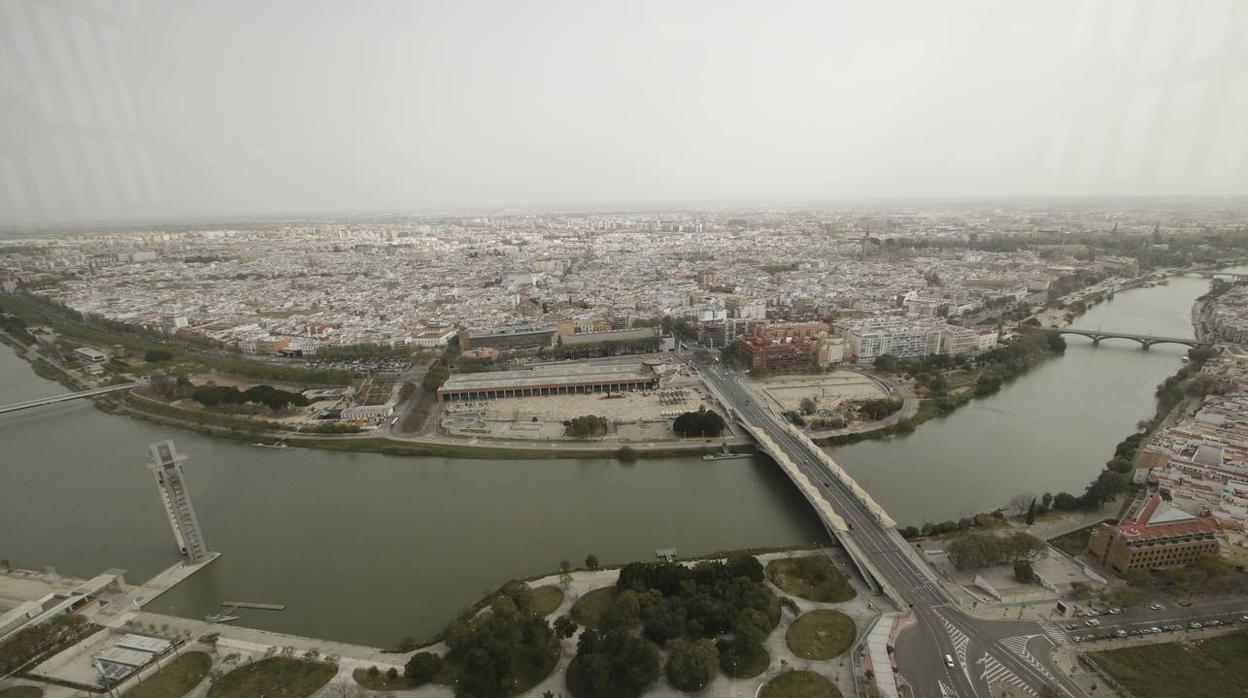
x=370, y=548
x=1050, y=430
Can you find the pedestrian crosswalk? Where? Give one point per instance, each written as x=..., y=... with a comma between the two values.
x=1055, y=634
x=994, y=672
x=1018, y=645
x=959, y=639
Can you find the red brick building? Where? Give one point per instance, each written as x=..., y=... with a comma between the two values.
x=1154, y=534
x=781, y=348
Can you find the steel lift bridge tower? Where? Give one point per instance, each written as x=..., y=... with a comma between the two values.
x=166, y=463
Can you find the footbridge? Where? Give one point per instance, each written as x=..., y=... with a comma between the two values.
x=1213, y=273
x=40, y=402
x=1145, y=340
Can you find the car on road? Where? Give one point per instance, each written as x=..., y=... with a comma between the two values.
x=1114, y=611
x=1120, y=633
x=1073, y=626
x=1194, y=626
x=1156, y=606
x=1091, y=622
x=1243, y=619
x=949, y=661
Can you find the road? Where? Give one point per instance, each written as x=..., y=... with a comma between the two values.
x=984, y=652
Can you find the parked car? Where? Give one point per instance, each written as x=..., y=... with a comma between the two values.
x=1194, y=626
x=1115, y=611
x=1156, y=606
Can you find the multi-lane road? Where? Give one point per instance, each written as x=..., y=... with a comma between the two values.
x=982, y=652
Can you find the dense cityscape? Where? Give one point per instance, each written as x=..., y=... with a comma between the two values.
x=618, y=336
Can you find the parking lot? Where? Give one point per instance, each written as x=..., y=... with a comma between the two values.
x=377, y=364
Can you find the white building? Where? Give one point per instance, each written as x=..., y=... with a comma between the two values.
x=431, y=339
x=905, y=338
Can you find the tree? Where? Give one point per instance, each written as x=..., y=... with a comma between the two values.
x=1024, y=547
x=1023, y=573
x=591, y=562
x=974, y=551
x=434, y=378
x=703, y=422
x=614, y=664
x=691, y=665
x=587, y=426
x=886, y=363
x=565, y=627
x=423, y=667
x=1031, y=513
x=158, y=355
x=987, y=384
x=809, y=405
x=1065, y=501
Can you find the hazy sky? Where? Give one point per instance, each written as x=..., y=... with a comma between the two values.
x=135, y=110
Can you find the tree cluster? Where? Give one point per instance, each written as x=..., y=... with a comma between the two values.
x=157, y=355
x=274, y=398
x=1208, y=575
x=586, y=426
x=878, y=409
x=423, y=667
x=37, y=640
x=683, y=609
x=612, y=664
x=979, y=550
x=505, y=649
x=703, y=422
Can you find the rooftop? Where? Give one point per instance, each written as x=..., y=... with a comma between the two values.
x=551, y=375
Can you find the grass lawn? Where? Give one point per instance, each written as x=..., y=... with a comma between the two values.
x=799, y=684
x=22, y=692
x=812, y=577
x=590, y=608
x=821, y=634
x=1213, y=667
x=275, y=677
x=1075, y=542
x=381, y=682
x=546, y=599
x=175, y=679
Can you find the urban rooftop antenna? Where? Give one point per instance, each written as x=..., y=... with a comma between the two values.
x=166, y=463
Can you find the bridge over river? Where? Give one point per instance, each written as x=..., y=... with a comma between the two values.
x=1146, y=340
x=984, y=651
x=40, y=402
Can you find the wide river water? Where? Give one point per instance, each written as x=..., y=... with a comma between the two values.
x=370, y=548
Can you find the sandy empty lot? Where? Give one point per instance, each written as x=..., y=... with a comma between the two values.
x=829, y=389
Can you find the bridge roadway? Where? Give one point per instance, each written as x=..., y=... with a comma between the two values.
x=1147, y=340
x=939, y=628
x=28, y=404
